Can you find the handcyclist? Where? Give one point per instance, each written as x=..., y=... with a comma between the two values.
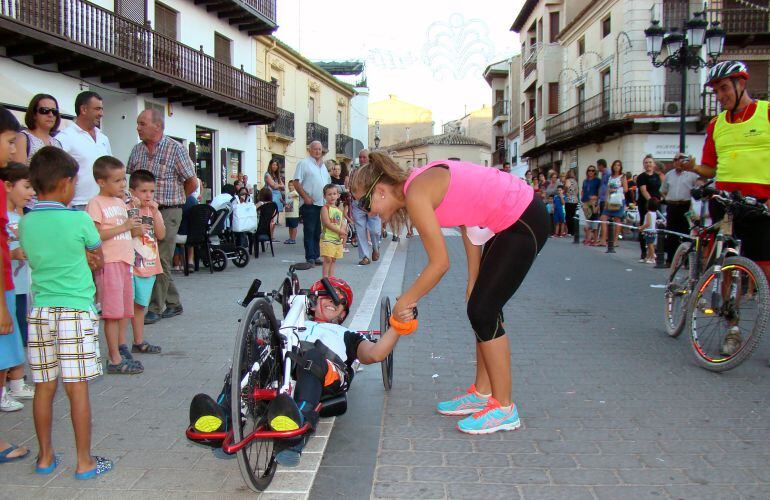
x=494, y=210
x=323, y=369
x=737, y=154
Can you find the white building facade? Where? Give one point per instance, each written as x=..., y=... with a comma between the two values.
x=194, y=61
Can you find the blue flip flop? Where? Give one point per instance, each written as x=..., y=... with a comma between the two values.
x=50, y=468
x=4, y=458
x=103, y=466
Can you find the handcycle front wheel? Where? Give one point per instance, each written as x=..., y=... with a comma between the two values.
x=677, y=290
x=257, y=364
x=739, y=299
x=387, y=363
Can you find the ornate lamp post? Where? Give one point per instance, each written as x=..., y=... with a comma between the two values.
x=377, y=134
x=683, y=53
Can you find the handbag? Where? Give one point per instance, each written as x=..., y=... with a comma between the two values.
x=615, y=201
x=245, y=218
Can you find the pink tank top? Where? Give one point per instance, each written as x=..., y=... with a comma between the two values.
x=479, y=196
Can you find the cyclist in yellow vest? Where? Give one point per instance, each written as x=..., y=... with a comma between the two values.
x=737, y=153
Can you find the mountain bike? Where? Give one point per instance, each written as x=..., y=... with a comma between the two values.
x=729, y=306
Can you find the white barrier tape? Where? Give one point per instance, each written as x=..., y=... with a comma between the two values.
x=656, y=231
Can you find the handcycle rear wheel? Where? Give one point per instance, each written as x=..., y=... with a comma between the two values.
x=711, y=313
x=678, y=291
x=387, y=363
x=257, y=364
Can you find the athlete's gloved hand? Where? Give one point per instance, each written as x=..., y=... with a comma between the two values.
x=403, y=328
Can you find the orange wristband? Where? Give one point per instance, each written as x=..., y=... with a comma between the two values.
x=403, y=328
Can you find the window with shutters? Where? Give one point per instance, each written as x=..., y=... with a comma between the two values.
x=165, y=21
x=553, y=98
x=553, y=21
x=223, y=48
x=581, y=46
x=133, y=10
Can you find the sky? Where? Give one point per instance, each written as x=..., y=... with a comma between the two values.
x=427, y=52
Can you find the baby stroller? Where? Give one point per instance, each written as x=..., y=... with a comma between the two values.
x=224, y=245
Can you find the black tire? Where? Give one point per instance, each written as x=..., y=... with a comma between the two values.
x=286, y=293
x=218, y=259
x=387, y=363
x=678, y=291
x=702, y=311
x=295, y=283
x=241, y=258
x=257, y=341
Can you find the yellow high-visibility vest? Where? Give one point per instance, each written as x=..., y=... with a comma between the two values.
x=743, y=149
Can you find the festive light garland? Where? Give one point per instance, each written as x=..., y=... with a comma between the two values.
x=754, y=6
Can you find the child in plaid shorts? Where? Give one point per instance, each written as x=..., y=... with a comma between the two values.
x=63, y=326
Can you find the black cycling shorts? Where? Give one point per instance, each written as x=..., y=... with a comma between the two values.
x=752, y=230
x=505, y=261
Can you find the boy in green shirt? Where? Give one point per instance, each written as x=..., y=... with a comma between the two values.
x=62, y=247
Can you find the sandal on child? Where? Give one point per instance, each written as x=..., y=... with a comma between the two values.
x=50, y=468
x=103, y=466
x=4, y=458
x=145, y=348
x=125, y=367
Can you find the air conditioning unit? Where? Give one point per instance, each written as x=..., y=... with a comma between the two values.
x=672, y=108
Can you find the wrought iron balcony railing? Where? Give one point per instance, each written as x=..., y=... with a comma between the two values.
x=622, y=103
x=741, y=21
x=343, y=144
x=500, y=109
x=256, y=17
x=528, y=128
x=78, y=35
x=317, y=132
x=283, y=125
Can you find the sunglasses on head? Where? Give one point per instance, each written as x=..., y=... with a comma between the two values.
x=46, y=111
x=366, y=200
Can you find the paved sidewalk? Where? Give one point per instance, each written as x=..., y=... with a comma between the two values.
x=611, y=407
x=139, y=420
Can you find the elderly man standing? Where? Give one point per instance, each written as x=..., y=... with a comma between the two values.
x=175, y=180
x=364, y=221
x=310, y=177
x=676, y=189
x=85, y=142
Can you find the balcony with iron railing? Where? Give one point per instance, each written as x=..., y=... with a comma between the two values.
x=608, y=109
x=499, y=156
x=78, y=36
x=317, y=132
x=529, y=129
x=283, y=126
x=500, y=111
x=740, y=20
x=256, y=17
x=344, y=145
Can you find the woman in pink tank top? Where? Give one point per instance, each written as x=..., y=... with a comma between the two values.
x=503, y=226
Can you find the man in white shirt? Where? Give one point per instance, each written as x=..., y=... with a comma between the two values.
x=85, y=142
x=310, y=177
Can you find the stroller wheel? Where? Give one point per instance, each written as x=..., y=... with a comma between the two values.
x=218, y=260
x=241, y=258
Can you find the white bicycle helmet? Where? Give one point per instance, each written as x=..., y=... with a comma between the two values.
x=727, y=69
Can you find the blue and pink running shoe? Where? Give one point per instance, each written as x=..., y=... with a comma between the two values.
x=491, y=419
x=465, y=404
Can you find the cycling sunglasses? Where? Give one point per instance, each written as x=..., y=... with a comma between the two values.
x=46, y=111
x=366, y=200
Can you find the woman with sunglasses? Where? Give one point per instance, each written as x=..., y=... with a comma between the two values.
x=503, y=225
x=42, y=120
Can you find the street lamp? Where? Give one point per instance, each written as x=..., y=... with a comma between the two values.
x=377, y=134
x=683, y=53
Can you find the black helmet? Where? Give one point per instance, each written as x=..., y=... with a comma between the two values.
x=727, y=69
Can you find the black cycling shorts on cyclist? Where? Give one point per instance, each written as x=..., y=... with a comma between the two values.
x=737, y=153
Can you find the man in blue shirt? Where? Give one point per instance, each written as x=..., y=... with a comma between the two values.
x=310, y=177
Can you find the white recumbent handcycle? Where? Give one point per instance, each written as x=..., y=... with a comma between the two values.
x=261, y=370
